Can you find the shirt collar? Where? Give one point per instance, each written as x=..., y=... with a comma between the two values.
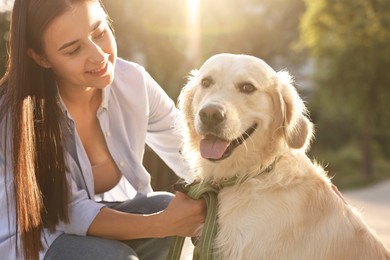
x=105, y=97
x=63, y=106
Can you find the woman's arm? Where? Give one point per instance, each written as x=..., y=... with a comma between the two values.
x=182, y=217
x=163, y=134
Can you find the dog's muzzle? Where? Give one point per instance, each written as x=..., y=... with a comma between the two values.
x=213, y=147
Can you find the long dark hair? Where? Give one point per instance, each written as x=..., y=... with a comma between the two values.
x=31, y=105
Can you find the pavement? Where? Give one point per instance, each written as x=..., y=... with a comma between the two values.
x=373, y=203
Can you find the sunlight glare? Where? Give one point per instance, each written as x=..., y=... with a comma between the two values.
x=6, y=5
x=193, y=29
x=193, y=6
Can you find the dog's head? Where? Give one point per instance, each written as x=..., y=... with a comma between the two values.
x=237, y=108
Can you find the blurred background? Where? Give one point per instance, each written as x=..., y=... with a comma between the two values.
x=337, y=50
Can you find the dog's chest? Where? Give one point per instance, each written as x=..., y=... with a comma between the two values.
x=253, y=218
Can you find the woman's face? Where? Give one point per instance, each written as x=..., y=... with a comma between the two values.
x=80, y=48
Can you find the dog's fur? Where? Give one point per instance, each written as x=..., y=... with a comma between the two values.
x=289, y=211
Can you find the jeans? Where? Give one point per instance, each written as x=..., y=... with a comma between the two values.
x=72, y=247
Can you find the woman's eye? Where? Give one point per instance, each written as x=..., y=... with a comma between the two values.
x=75, y=51
x=206, y=82
x=100, y=35
x=247, y=88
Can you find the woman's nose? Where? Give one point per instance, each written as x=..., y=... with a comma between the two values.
x=97, y=55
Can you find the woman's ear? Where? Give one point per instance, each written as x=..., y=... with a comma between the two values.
x=298, y=129
x=38, y=58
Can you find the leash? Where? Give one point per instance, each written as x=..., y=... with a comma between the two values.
x=204, y=249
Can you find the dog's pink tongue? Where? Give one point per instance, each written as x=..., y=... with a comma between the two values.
x=212, y=147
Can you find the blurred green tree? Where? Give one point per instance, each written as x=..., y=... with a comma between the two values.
x=153, y=33
x=4, y=28
x=350, y=42
x=263, y=28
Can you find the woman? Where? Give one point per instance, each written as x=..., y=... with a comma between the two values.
x=74, y=121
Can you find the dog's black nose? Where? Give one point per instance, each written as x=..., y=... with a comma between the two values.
x=212, y=115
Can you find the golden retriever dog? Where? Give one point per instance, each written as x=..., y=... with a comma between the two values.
x=245, y=122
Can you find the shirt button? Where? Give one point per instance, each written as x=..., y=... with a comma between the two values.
x=108, y=133
x=122, y=164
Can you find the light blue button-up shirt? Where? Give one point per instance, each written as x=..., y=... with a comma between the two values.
x=134, y=110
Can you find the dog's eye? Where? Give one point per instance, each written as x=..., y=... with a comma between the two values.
x=247, y=88
x=206, y=82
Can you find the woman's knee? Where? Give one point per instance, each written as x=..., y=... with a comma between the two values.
x=145, y=204
x=159, y=200
x=151, y=248
x=87, y=247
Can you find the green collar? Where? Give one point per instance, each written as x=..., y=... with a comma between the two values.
x=228, y=182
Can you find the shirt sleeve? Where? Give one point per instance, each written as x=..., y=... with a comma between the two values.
x=162, y=135
x=82, y=211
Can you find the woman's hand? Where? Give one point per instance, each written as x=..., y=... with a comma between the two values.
x=184, y=216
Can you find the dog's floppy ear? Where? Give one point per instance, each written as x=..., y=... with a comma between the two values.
x=185, y=99
x=298, y=129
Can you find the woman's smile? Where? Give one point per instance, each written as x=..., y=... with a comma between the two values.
x=99, y=71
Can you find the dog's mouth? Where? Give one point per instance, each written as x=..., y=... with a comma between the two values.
x=214, y=148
